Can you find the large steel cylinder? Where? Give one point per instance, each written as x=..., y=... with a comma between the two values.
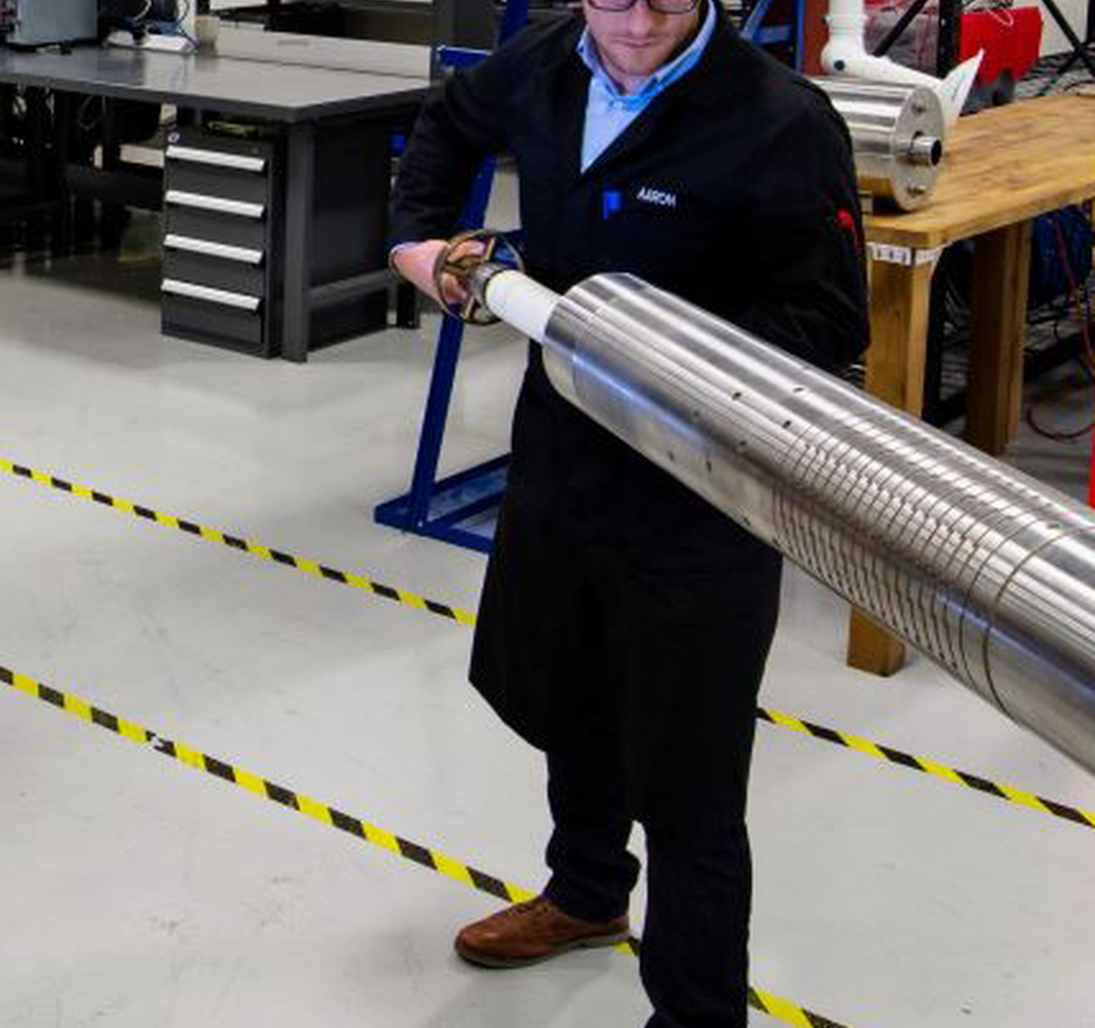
x=988, y=572
x=897, y=137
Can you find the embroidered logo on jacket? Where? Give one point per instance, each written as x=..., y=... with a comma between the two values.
x=659, y=197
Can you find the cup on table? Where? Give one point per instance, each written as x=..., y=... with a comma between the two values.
x=207, y=27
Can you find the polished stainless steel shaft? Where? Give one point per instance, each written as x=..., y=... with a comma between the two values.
x=988, y=572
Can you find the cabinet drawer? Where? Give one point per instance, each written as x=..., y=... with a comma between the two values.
x=194, y=223
x=219, y=182
x=255, y=164
x=211, y=295
x=207, y=248
x=214, y=272
x=197, y=146
x=204, y=322
x=215, y=204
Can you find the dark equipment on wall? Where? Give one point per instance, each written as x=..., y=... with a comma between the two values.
x=1060, y=268
x=1061, y=244
x=444, y=22
x=136, y=16
x=31, y=23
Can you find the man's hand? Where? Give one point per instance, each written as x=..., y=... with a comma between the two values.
x=416, y=264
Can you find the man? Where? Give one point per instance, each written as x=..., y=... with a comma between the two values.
x=625, y=623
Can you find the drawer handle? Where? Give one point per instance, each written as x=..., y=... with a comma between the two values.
x=240, y=254
x=216, y=203
x=218, y=159
x=240, y=301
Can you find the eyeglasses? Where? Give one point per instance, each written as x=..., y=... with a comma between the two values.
x=659, y=6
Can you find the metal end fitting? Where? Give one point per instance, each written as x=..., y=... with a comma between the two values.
x=473, y=259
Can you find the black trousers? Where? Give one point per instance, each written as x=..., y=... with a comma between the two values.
x=694, y=955
x=623, y=630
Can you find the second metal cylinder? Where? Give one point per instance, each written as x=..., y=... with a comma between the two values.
x=897, y=136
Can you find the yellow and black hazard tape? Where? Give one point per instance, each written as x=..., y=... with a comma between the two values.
x=264, y=788
x=255, y=549
x=424, y=856
x=1008, y=793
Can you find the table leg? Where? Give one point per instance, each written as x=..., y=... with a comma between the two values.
x=299, y=206
x=41, y=162
x=407, y=306
x=998, y=321
x=64, y=123
x=900, y=297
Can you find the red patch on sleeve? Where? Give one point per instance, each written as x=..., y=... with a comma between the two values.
x=846, y=220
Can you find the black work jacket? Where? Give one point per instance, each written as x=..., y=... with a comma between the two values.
x=734, y=189
x=612, y=587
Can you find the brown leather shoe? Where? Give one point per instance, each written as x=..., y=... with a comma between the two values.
x=535, y=930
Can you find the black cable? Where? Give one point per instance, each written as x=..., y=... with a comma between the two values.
x=1057, y=437
x=1062, y=250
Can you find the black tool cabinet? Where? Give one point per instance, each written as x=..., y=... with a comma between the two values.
x=221, y=258
x=223, y=236
x=274, y=240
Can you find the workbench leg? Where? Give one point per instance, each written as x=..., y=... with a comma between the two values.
x=63, y=126
x=299, y=208
x=900, y=296
x=40, y=163
x=999, y=323
x=407, y=306
x=113, y=217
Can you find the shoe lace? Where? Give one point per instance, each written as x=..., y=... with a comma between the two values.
x=539, y=907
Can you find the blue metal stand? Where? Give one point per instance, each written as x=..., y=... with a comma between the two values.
x=788, y=37
x=462, y=509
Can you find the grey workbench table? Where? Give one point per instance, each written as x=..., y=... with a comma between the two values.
x=297, y=96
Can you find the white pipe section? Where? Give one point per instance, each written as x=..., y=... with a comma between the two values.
x=522, y=303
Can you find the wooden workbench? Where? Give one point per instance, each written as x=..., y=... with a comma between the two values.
x=1002, y=167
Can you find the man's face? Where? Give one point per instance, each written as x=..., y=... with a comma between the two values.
x=634, y=44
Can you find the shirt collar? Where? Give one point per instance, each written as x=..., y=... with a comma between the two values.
x=665, y=76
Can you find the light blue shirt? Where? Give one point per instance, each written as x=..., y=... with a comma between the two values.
x=609, y=112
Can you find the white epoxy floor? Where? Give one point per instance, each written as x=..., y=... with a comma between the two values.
x=137, y=893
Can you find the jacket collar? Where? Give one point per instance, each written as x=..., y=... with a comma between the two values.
x=707, y=82
x=727, y=65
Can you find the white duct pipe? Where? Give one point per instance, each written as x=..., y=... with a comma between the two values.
x=846, y=55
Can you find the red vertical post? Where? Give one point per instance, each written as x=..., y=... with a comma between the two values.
x=815, y=34
x=1091, y=474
